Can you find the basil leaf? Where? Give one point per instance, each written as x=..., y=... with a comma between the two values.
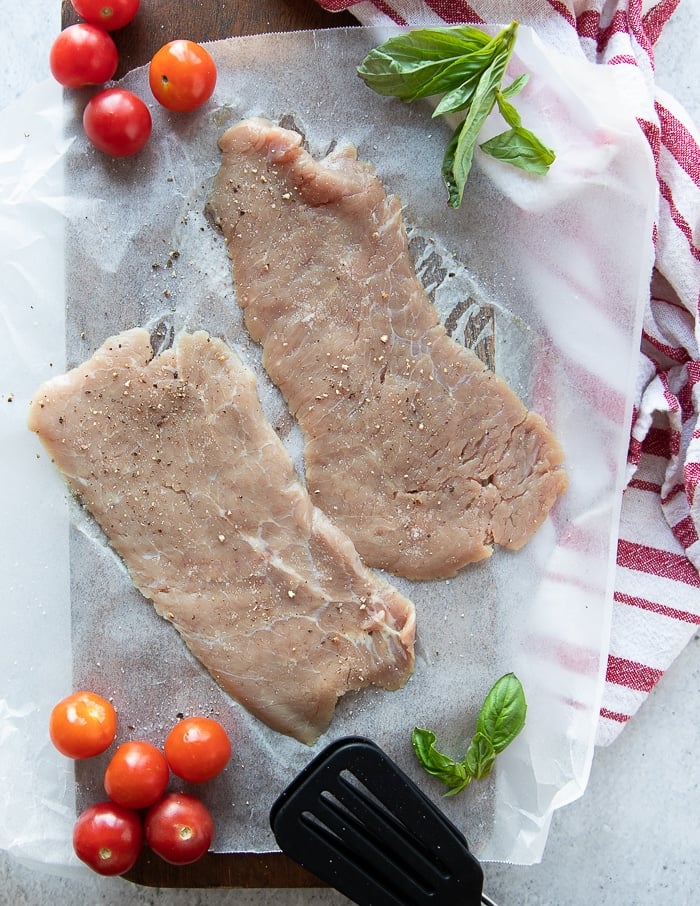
x=480, y=756
x=466, y=66
x=452, y=773
x=434, y=762
x=437, y=44
x=516, y=86
x=508, y=111
x=500, y=719
x=421, y=62
x=459, y=785
x=448, y=80
x=463, y=153
x=387, y=76
x=459, y=98
x=454, y=193
x=502, y=716
x=521, y=148
x=477, y=63
x=481, y=106
x=518, y=146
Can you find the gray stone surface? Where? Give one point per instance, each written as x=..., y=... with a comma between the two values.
x=633, y=839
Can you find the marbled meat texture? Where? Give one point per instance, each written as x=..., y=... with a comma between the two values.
x=422, y=455
x=174, y=458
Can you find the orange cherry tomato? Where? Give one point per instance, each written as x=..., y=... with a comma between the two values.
x=182, y=75
x=197, y=749
x=137, y=775
x=82, y=725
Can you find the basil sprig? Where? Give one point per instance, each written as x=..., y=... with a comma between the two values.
x=501, y=718
x=467, y=67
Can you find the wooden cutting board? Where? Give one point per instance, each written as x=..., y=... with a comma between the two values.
x=160, y=21
x=157, y=22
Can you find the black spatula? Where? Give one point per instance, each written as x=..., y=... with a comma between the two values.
x=356, y=821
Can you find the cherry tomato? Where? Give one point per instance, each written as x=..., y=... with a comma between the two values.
x=109, y=14
x=182, y=75
x=179, y=828
x=137, y=775
x=108, y=838
x=82, y=725
x=82, y=55
x=197, y=749
x=117, y=122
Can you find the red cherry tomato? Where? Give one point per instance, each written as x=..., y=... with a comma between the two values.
x=82, y=55
x=109, y=14
x=197, y=749
x=137, y=775
x=82, y=725
x=179, y=828
x=117, y=122
x=108, y=838
x=182, y=75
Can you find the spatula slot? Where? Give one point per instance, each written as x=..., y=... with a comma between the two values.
x=389, y=832
x=373, y=860
x=381, y=845
x=357, y=821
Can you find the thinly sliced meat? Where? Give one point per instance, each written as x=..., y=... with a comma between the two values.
x=423, y=456
x=174, y=458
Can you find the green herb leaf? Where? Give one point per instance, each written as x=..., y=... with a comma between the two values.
x=481, y=106
x=502, y=716
x=421, y=62
x=508, y=111
x=516, y=86
x=518, y=146
x=454, y=195
x=480, y=756
x=452, y=773
x=466, y=66
x=460, y=97
x=410, y=81
x=521, y=148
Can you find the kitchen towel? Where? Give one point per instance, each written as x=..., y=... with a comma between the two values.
x=656, y=608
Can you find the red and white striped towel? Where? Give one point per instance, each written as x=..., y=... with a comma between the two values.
x=657, y=587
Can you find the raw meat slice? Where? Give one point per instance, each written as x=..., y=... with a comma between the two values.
x=423, y=456
x=174, y=458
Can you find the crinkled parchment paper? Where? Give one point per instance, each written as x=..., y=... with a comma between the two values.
x=546, y=276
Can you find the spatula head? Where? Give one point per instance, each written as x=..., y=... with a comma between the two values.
x=358, y=822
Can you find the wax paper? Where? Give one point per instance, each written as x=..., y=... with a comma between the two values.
x=544, y=276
